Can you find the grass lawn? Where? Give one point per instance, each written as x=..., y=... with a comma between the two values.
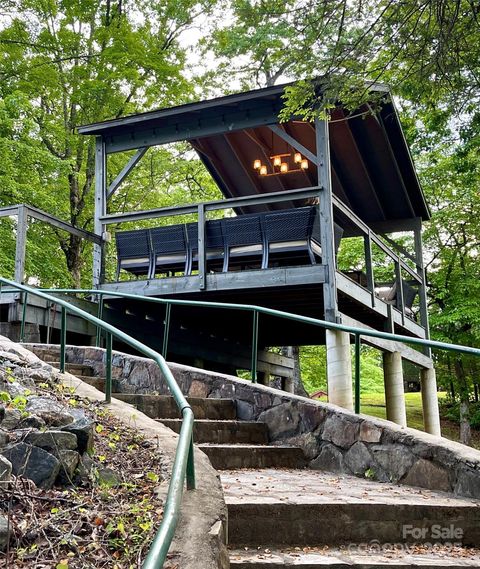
x=374, y=404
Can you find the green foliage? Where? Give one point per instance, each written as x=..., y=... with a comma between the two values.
x=314, y=376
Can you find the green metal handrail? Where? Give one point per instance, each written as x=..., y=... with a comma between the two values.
x=183, y=466
x=256, y=311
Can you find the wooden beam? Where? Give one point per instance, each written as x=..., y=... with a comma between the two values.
x=243, y=201
x=21, y=244
x=100, y=209
x=294, y=143
x=125, y=171
x=407, y=352
x=188, y=128
x=36, y=213
x=325, y=210
x=236, y=280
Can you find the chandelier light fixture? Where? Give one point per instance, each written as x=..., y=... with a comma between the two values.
x=281, y=164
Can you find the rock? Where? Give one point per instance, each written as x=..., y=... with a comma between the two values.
x=358, y=459
x=68, y=464
x=341, y=432
x=108, y=477
x=390, y=462
x=4, y=438
x=31, y=422
x=84, y=470
x=40, y=375
x=53, y=413
x=5, y=470
x=312, y=417
x=245, y=411
x=198, y=389
x=52, y=441
x=330, y=459
x=11, y=420
x=33, y=463
x=83, y=428
x=426, y=474
x=4, y=533
x=2, y=413
x=308, y=442
x=281, y=420
x=468, y=482
x=370, y=433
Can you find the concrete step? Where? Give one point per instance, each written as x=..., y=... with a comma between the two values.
x=97, y=382
x=238, y=456
x=281, y=508
x=75, y=369
x=223, y=432
x=164, y=407
x=357, y=556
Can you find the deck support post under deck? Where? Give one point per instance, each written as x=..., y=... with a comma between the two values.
x=394, y=388
x=431, y=414
x=339, y=369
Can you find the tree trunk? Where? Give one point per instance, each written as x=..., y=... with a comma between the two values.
x=465, y=430
x=294, y=353
x=73, y=255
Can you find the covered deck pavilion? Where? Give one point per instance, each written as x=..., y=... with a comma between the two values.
x=299, y=191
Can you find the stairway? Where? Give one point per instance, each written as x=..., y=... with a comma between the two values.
x=228, y=442
x=282, y=515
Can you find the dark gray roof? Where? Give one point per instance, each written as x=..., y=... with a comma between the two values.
x=372, y=169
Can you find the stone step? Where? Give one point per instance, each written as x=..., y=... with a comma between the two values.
x=75, y=369
x=223, y=432
x=357, y=556
x=164, y=407
x=97, y=382
x=238, y=456
x=281, y=508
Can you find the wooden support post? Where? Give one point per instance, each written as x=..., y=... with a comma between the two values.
x=100, y=210
x=325, y=211
x=21, y=244
x=367, y=243
x=202, y=262
x=423, y=288
x=399, y=294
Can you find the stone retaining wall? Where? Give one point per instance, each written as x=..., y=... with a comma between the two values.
x=332, y=438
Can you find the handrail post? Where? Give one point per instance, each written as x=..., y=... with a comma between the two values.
x=63, y=338
x=108, y=368
x=98, y=336
x=357, y=373
x=190, y=473
x=166, y=330
x=24, y=316
x=254, y=346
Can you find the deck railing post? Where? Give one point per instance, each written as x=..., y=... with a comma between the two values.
x=254, y=346
x=166, y=330
x=108, y=368
x=63, y=338
x=98, y=337
x=357, y=372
